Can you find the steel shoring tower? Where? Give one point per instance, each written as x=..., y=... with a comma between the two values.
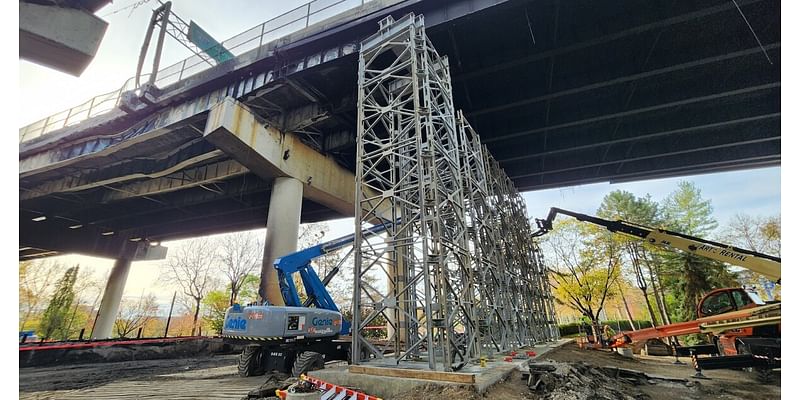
x=483, y=242
x=455, y=275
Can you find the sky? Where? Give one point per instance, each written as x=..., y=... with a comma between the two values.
x=754, y=192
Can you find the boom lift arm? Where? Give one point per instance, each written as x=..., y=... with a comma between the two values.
x=764, y=264
x=300, y=262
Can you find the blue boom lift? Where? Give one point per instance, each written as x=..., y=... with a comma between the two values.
x=302, y=335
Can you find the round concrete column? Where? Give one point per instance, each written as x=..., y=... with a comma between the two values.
x=112, y=296
x=283, y=225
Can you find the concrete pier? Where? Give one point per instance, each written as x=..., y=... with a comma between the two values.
x=112, y=296
x=283, y=225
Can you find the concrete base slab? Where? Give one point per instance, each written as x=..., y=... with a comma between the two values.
x=496, y=370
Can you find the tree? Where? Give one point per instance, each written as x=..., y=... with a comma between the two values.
x=35, y=281
x=240, y=255
x=54, y=320
x=625, y=205
x=690, y=276
x=761, y=234
x=216, y=303
x=134, y=314
x=686, y=211
x=191, y=268
x=87, y=297
x=587, y=266
x=181, y=325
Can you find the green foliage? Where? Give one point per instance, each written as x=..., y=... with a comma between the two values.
x=686, y=211
x=573, y=328
x=586, y=266
x=621, y=204
x=687, y=276
x=216, y=303
x=55, y=320
x=248, y=293
x=626, y=206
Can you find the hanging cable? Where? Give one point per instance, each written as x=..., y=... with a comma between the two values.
x=752, y=31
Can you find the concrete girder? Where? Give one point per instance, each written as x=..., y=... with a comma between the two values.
x=86, y=239
x=270, y=153
x=188, y=178
x=65, y=39
x=304, y=117
x=336, y=141
x=84, y=181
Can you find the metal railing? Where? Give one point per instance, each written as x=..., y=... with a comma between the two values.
x=275, y=28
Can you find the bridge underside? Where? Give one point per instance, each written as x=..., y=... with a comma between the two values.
x=562, y=93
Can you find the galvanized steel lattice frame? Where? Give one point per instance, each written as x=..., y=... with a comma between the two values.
x=455, y=275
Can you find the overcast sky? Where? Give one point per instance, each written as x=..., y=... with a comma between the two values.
x=754, y=192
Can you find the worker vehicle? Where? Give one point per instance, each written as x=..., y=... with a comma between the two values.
x=745, y=330
x=302, y=335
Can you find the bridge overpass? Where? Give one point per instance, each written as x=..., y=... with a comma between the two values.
x=562, y=93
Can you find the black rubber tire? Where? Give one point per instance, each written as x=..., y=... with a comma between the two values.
x=250, y=361
x=307, y=361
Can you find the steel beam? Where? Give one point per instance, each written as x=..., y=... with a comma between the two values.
x=653, y=156
x=692, y=100
x=643, y=137
x=624, y=79
x=604, y=39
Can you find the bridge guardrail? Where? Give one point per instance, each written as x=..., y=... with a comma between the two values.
x=253, y=38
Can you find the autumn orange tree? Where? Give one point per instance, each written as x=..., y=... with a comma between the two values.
x=586, y=267
x=134, y=314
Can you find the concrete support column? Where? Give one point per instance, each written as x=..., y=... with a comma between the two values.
x=283, y=226
x=112, y=296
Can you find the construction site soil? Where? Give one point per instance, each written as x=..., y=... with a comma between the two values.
x=579, y=375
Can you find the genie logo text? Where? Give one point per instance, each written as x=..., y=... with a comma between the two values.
x=237, y=324
x=321, y=321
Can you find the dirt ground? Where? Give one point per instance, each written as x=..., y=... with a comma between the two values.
x=215, y=378
x=191, y=378
x=724, y=384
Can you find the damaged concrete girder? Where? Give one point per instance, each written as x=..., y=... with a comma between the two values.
x=184, y=179
x=337, y=141
x=270, y=153
x=303, y=117
x=178, y=174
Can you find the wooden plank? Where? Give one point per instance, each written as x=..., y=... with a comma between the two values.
x=414, y=374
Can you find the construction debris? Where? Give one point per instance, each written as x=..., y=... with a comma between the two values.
x=562, y=381
x=274, y=382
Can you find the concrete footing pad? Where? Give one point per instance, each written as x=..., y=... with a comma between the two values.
x=391, y=386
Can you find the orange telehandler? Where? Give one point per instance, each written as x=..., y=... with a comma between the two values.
x=745, y=331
